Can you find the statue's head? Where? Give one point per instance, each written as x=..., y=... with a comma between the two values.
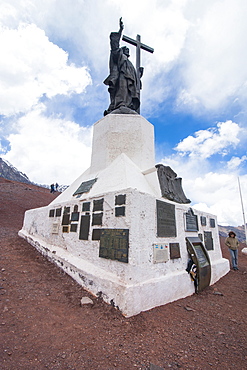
x=126, y=51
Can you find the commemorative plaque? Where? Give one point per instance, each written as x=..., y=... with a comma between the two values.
x=96, y=234
x=73, y=228
x=98, y=204
x=120, y=199
x=85, y=187
x=55, y=228
x=191, y=221
x=120, y=211
x=86, y=207
x=66, y=210
x=65, y=219
x=58, y=212
x=84, y=227
x=166, y=221
x=212, y=222
x=199, y=255
x=114, y=244
x=65, y=229
x=52, y=213
x=208, y=240
x=203, y=221
x=161, y=253
x=75, y=216
x=174, y=250
x=97, y=219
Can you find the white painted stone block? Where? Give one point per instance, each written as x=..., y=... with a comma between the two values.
x=122, y=164
x=140, y=284
x=122, y=133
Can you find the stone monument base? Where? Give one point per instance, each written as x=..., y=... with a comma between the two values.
x=122, y=260
x=112, y=231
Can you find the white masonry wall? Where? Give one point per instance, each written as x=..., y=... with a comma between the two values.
x=139, y=284
x=123, y=164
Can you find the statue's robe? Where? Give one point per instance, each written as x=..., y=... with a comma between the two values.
x=122, y=80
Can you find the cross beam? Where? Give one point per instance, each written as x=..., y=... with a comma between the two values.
x=139, y=46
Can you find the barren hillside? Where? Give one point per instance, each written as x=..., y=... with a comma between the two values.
x=43, y=325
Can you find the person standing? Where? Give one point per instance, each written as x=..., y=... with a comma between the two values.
x=232, y=243
x=52, y=188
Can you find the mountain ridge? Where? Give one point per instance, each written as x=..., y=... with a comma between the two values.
x=9, y=172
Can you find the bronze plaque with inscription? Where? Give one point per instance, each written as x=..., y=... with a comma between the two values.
x=85, y=187
x=120, y=211
x=174, y=250
x=212, y=222
x=114, y=244
x=52, y=213
x=84, y=227
x=73, y=228
x=58, y=212
x=120, y=199
x=166, y=221
x=203, y=221
x=96, y=234
x=75, y=216
x=86, y=207
x=191, y=221
x=98, y=205
x=201, y=257
x=65, y=219
x=97, y=219
x=208, y=240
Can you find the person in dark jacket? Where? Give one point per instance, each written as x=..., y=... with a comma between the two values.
x=52, y=188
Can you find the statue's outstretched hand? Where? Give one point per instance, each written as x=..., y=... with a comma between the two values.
x=121, y=24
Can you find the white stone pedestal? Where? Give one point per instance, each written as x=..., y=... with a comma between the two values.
x=123, y=198
x=116, y=134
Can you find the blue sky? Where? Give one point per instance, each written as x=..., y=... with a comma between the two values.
x=55, y=56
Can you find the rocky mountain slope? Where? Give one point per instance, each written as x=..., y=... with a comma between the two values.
x=238, y=230
x=9, y=172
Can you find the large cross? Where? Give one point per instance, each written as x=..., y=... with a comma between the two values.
x=139, y=46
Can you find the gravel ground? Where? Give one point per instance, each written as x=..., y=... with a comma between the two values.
x=43, y=325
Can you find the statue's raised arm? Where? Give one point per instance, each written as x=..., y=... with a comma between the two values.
x=122, y=80
x=121, y=25
x=115, y=38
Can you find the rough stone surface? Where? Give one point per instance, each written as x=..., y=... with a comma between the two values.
x=244, y=251
x=116, y=134
x=48, y=329
x=86, y=300
x=138, y=285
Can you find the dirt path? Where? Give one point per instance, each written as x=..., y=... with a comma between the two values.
x=43, y=325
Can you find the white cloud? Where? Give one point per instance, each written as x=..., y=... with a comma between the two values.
x=199, y=61
x=49, y=149
x=235, y=162
x=204, y=41
x=219, y=195
x=205, y=143
x=212, y=192
x=33, y=66
x=214, y=68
